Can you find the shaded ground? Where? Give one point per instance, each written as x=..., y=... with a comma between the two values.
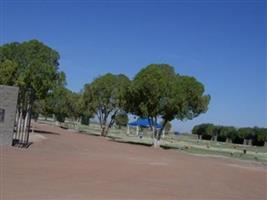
x=63, y=165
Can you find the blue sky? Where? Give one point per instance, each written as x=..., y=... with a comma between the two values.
x=221, y=43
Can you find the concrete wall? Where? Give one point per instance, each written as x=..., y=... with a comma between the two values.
x=8, y=103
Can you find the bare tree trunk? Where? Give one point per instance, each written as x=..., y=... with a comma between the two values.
x=163, y=133
x=106, y=131
x=160, y=133
x=155, y=130
x=103, y=127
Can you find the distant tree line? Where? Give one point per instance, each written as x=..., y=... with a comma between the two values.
x=249, y=136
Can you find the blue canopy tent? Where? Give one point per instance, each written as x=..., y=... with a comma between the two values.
x=141, y=122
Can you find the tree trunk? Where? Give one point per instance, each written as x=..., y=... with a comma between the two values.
x=106, y=131
x=163, y=133
x=103, y=127
x=159, y=134
x=153, y=132
x=156, y=143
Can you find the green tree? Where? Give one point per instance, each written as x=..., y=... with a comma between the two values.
x=62, y=103
x=33, y=67
x=246, y=134
x=105, y=96
x=219, y=134
x=57, y=103
x=197, y=130
x=8, y=71
x=121, y=119
x=216, y=133
x=230, y=133
x=260, y=136
x=158, y=92
x=206, y=130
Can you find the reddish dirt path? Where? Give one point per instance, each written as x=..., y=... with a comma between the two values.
x=71, y=166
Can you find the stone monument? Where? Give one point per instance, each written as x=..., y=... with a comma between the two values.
x=8, y=104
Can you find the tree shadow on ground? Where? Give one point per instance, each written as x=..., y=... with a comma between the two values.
x=131, y=142
x=45, y=132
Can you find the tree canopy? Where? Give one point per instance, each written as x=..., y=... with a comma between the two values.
x=158, y=92
x=105, y=96
x=256, y=135
x=121, y=119
x=29, y=65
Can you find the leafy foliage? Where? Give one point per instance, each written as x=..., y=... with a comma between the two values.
x=105, y=96
x=33, y=67
x=257, y=135
x=29, y=65
x=157, y=91
x=121, y=119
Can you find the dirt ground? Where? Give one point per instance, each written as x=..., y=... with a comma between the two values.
x=63, y=165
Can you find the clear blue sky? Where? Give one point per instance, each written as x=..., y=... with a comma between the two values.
x=222, y=43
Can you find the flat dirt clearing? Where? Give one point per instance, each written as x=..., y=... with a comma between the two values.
x=66, y=165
